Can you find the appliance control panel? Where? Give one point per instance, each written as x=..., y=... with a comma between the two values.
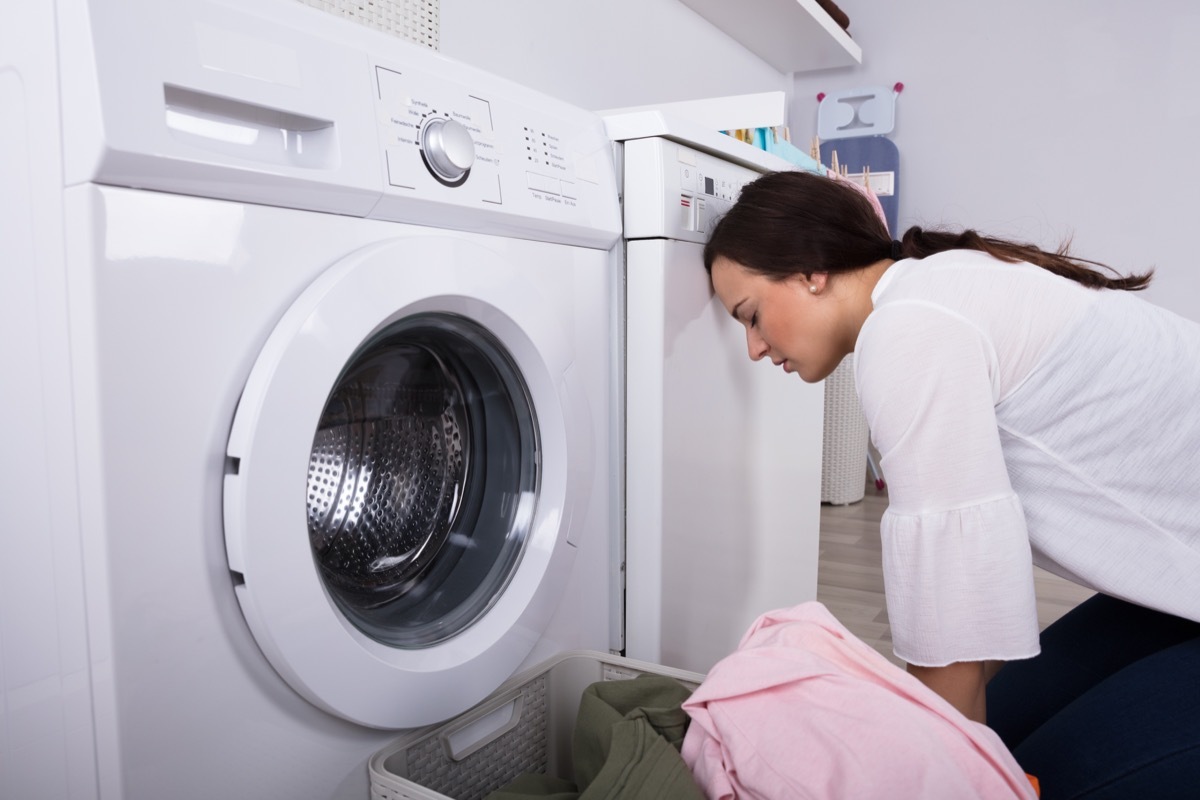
x=446, y=144
x=309, y=113
x=674, y=191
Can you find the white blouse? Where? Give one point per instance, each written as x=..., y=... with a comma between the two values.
x=1021, y=416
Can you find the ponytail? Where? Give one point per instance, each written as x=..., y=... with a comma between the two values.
x=919, y=243
x=794, y=222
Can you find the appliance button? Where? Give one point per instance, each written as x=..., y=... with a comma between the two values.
x=449, y=149
x=542, y=183
x=687, y=178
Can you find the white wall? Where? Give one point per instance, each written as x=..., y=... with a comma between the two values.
x=1040, y=120
x=604, y=53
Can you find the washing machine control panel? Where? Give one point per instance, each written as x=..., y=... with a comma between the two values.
x=678, y=192
x=506, y=151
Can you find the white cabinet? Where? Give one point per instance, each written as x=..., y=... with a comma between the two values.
x=790, y=35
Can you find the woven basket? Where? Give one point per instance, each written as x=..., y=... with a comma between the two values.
x=844, y=452
x=525, y=726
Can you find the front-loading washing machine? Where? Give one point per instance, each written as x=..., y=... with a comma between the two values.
x=318, y=395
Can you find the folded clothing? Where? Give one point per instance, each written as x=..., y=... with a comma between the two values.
x=804, y=709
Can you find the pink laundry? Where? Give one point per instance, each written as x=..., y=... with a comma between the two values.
x=804, y=709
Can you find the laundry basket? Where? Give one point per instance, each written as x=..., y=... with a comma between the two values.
x=844, y=451
x=525, y=726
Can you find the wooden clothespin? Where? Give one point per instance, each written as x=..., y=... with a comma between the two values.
x=833, y=163
x=814, y=149
x=866, y=177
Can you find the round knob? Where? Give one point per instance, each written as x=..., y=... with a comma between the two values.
x=448, y=148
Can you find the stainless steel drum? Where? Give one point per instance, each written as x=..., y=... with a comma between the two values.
x=385, y=473
x=428, y=426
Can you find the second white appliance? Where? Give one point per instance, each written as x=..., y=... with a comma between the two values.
x=723, y=455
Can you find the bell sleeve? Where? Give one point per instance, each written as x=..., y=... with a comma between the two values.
x=956, y=557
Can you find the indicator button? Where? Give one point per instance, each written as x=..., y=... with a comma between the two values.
x=542, y=183
x=687, y=178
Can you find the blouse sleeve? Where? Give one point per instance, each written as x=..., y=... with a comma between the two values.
x=956, y=558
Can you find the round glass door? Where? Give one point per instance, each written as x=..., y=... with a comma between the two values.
x=408, y=467
x=422, y=480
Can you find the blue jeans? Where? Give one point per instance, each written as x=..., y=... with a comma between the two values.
x=1111, y=706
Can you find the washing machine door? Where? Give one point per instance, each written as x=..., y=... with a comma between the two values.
x=405, y=464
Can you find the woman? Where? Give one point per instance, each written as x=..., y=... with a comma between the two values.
x=1027, y=408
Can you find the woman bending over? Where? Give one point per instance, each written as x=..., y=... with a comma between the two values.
x=1028, y=408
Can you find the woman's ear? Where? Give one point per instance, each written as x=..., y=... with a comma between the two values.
x=817, y=282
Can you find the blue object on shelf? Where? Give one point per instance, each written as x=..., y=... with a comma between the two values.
x=789, y=152
x=769, y=140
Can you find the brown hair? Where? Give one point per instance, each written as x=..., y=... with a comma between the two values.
x=789, y=223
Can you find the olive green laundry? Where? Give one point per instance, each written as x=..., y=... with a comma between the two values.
x=625, y=745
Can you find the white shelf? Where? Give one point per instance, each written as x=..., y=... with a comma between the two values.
x=790, y=35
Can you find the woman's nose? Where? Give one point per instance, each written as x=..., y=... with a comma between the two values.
x=755, y=344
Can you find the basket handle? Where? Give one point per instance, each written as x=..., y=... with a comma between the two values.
x=482, y=726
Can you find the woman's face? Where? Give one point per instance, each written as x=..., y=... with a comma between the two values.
x=785, y=321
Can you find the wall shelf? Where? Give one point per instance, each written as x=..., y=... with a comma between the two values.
x=790, y=35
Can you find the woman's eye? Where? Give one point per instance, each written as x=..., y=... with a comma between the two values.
x=754, y=320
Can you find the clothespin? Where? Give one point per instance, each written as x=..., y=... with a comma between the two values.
x=833, y=163
x=866, y=177
x=814, y=149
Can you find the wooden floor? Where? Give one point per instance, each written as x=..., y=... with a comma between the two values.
x=850, y=574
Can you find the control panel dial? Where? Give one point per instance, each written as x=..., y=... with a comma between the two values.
x=448, y=150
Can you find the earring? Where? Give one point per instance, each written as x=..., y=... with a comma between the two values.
x=812, y=289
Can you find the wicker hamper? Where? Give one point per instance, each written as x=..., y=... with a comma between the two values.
x=524, y=726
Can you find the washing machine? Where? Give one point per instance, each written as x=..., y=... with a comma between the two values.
x=723, y=455
x=318, y=399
